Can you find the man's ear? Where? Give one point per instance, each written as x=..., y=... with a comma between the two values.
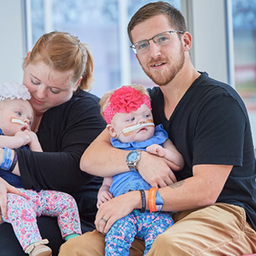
x=187, y=40
x=111, y=130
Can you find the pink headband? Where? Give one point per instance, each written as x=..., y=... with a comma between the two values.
x=125, y=100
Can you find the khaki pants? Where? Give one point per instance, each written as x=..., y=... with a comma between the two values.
x=220, y=229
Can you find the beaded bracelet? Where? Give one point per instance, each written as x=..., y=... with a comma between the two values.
x=143, y=200
x=14, y=162
x=6, y=163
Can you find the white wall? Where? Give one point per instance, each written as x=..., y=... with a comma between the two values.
x=12, y=44
x=206, y=21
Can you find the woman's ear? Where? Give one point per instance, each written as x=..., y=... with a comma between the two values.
x=77, y=83
x=26, y=59
x=111, y=130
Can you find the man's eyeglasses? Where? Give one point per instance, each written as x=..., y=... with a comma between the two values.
x=160, y=39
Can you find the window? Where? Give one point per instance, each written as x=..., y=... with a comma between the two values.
x=103, y=26
x=244, y=32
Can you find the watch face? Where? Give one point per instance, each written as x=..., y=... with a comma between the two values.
x=132, y=156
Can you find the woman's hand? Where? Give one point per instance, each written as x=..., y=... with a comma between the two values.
x=155, y=170
x=4, y=189
x=115, y=209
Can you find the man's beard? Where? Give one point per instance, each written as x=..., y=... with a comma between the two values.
x=163, y=77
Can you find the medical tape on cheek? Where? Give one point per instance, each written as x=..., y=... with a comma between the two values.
x=18, y=121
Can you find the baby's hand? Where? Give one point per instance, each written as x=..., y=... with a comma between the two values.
x=103, y=196
x=25, y=139
x=156, y=150
x=32, y=136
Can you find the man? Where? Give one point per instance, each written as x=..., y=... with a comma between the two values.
x=214, y=195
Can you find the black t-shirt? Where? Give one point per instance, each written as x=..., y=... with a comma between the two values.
x=64, y=133
x=210, y=125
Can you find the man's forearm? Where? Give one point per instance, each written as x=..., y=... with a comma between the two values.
x=102, y=159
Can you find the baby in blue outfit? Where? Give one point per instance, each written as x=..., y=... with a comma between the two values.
x=127, y=111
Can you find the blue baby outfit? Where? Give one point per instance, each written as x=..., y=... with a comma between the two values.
x=125, y=182
x=146, y=226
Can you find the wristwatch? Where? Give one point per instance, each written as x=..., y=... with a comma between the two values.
x=132, y=159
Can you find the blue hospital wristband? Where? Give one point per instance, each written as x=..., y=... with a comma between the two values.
x=159, y=201
x=7, y=161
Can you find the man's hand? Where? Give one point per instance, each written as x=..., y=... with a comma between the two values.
x=155, y=170
x=115, y=209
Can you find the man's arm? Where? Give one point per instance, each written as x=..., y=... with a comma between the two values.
x=198, y=191
x=102, y=159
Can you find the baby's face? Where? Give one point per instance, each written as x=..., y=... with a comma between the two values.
x=123, y=124
x=15, y=115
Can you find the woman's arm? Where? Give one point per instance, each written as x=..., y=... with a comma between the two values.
x=64, y=133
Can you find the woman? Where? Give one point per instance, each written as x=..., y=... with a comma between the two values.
x=57, y=72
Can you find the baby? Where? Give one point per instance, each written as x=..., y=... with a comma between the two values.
x=127, y=112
x=16, y=117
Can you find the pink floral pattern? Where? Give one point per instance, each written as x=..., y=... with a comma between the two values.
x=23, y=211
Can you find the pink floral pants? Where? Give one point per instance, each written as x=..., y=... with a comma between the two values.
x=22, y=212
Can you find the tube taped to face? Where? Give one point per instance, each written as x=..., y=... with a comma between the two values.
x=130, y=129
x=18, y=121
x=136, y=127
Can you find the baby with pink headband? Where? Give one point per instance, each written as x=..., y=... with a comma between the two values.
x=127, y=111
x=125, y=100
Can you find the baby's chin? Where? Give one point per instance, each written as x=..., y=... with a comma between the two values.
x=142, y=136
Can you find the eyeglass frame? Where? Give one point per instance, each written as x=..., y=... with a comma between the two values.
x=133, y=46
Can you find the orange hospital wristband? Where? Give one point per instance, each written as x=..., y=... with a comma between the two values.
x=152, y=199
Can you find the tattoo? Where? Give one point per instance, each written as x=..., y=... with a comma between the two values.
x=177, y=184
